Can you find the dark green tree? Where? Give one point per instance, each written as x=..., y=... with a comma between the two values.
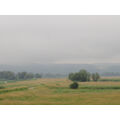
x=95, y=76
x=82, y=76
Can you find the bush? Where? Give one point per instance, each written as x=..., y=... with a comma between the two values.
x=74, y=85
x=1, y=87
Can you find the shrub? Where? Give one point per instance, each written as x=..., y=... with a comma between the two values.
x=74, y=85
x=1, y=87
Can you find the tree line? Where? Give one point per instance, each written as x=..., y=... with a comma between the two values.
x=9, y=75
x=83, y=76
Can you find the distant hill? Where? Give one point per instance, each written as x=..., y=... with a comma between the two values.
x=62, y=68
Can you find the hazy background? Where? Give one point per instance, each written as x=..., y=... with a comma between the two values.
x=59, y=39
x=50, y=40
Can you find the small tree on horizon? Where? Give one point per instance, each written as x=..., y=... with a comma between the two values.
x=95, y=76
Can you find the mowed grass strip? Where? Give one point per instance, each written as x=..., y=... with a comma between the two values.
x=112, y=79
x=99, y=87
x=13, y=90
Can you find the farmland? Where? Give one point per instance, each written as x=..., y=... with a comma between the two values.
x=57, y=92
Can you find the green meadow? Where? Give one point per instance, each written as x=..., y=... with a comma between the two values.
x=57, y=92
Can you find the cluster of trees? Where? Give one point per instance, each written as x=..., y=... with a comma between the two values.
x=8, y=75
x=83, y=76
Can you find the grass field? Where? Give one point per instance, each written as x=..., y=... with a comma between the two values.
x=57, y=92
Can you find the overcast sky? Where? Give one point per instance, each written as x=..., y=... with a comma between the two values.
x=59, y=39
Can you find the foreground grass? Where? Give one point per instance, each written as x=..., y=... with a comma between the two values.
x=57, y=92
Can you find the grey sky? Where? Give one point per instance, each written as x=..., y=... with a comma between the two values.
x=59, y=39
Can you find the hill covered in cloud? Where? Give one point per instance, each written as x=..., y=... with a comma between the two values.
x=62, y=68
